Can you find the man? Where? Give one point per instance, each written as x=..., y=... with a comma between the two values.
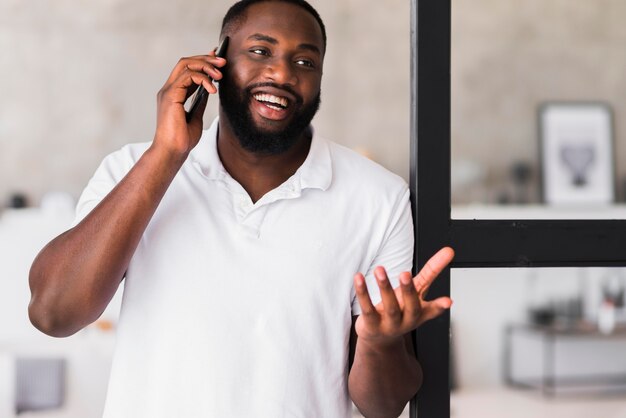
x=239, y=244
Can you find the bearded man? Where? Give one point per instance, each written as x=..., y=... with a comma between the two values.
x=256, y=256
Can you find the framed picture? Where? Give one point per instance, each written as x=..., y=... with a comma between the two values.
x=577, y=159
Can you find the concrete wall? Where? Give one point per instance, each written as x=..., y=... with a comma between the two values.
x=79, y=79
x=510, y=56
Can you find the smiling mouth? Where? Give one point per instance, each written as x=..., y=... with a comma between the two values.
x=271, y=101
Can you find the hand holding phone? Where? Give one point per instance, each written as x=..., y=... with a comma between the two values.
x=201, y=92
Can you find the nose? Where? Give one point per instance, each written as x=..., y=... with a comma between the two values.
x=281, y=71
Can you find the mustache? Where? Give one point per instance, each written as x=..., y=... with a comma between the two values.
x=284, y=87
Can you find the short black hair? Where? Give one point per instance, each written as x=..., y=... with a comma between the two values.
x=237, y=14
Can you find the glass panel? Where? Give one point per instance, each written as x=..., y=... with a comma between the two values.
x=537, y=100
x=538, y=342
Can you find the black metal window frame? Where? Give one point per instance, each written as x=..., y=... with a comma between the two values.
x=478, y=243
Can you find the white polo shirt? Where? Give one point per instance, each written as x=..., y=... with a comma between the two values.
x=233, y=309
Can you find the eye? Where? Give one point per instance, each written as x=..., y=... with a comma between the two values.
x=305, y=62
x=259, y=51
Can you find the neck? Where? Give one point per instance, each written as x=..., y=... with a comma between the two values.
x=258, y=173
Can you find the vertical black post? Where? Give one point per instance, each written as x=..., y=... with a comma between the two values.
x=482, y=243
x=430, y=186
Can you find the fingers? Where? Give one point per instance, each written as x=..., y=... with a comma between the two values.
x=410, y=298
x=189, y=80
x=190, y=73
x=362, y=295
x=203, y=67
x=208, y=64
x=388, y=296
x=402, y=309
x=434, y=266
x=196, y=110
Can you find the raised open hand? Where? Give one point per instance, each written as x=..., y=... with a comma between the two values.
x=404, y=308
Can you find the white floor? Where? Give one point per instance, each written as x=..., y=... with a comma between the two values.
x=508, y=403
x=504, y=403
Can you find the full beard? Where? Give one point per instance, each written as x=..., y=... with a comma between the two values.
x=235, y=102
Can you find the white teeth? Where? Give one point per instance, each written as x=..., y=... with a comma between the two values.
x=269, y=98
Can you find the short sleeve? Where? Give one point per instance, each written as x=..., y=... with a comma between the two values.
x=110, y=172
x=396, y=250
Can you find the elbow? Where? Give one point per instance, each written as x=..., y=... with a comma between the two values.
x=387, y=401
x=390, y=411
x=376, y=406
x=46, y=312
x=51, y=310
x=418, y=380
x=47, y=321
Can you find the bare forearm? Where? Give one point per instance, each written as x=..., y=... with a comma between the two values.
x=75, y=276
x=383, y=379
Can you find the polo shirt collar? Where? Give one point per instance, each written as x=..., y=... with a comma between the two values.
x=315, y=172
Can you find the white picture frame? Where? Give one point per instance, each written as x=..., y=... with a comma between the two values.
x=576, y=148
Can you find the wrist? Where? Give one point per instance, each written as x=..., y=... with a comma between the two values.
x=168, y=156
x=382, y=345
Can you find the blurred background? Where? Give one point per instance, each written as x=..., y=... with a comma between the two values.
x=538, y=108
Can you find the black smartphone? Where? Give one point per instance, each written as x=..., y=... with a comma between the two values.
x=201, y=92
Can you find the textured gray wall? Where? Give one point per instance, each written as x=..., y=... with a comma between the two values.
x=510, y=56
x=79, y=79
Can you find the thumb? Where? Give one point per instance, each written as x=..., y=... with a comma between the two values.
x=434, y=308
x=195, y=114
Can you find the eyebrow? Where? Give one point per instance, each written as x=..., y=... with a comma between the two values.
x=274, y=41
